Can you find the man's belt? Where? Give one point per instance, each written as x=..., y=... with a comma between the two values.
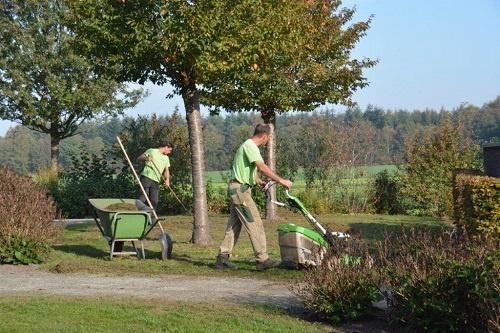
x=243, y=187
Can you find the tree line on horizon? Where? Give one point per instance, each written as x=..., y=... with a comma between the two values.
x=26, y=151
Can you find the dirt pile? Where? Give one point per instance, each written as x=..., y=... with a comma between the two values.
x=120, y=206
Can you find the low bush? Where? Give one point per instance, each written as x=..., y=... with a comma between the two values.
x=476, y=202
x=217, y=199
x=386, y=188
x=26, y=220
x=17, y=250
x=46, y=179
x=168, y=204
x=437, y=284
x=316, y=202
x=344, y=286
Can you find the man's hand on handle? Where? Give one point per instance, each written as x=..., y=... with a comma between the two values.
x=286, y=182
x=144, y=158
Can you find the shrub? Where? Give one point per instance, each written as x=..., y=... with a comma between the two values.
x=217, y=199
x=90, y=176
x=26, y=219
x=430, y=162
x=332, y=156
x=440, y=285
x=386, y=190
x=344, y=286
x=16, y=250
x=431, y=281
x=352, y=194
x=477, y=205
x=315, y=201
x=46, y=179
x=168, y=204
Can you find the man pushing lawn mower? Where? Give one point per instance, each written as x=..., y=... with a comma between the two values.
x=242, y=208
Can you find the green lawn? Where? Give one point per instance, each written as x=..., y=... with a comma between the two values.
x=42, y=314
x=83, y=249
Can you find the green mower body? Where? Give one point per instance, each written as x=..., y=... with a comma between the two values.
x=300, y=246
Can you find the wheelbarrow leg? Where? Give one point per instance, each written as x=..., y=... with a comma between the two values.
x=142, y=249
x=137, y=253
x=112, y=249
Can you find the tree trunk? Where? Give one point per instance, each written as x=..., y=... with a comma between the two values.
x=54, y=152
x=269, y=118
x=201, y=235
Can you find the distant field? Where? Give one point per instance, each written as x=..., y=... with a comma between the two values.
x=220, y=178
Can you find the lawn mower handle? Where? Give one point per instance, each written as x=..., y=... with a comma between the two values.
x=266, y=188
x=330, y=235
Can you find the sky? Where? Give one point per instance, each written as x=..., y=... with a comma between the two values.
x=432, y=54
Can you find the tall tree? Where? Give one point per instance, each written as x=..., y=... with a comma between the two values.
x=304, y=61
x=185, y=43
x=44, y=84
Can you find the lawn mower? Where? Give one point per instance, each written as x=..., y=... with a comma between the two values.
x=301, y=246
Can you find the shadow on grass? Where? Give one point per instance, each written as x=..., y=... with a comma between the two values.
x=82, y=227
x=93, y=252
x=287, y=304
x=243, y=265
x=376, y=231
x=82, y=250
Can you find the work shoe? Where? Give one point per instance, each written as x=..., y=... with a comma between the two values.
x=268, y=263
x=224, y=263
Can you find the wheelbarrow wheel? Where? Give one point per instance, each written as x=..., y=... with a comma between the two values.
x=166, y=245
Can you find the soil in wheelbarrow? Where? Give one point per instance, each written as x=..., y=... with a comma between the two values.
x=121, y=206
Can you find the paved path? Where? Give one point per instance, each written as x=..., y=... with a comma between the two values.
x=29, y=280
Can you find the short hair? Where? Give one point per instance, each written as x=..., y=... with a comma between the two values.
x=262, y=129
x=167, y=144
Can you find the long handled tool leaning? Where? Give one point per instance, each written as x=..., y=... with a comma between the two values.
x=165, y=240
x=171, y=190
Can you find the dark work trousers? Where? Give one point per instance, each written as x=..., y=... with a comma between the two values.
x=152, y=189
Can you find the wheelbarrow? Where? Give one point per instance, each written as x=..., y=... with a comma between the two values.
x=127, y=225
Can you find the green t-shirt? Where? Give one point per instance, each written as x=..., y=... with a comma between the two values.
x=161, y=161
x=244, y=167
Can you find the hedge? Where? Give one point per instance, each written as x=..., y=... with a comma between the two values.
x=477, y=205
